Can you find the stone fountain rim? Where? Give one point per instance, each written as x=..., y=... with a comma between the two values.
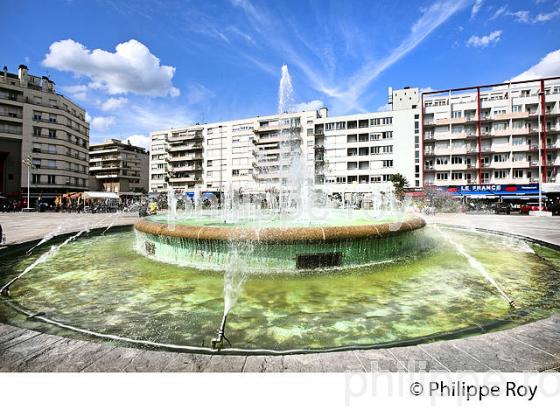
x=281, y=235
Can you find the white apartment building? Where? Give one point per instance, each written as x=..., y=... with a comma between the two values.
x=250, y=153
x=46, y=128
x=254, y=153
x=355, y=151
x=486, y=138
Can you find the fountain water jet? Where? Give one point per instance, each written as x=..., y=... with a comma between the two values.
x=475, y=264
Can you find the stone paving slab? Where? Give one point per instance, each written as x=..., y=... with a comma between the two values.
x=454, y=359
x=509, y=350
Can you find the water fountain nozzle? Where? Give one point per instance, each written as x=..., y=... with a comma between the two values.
x=5, y=290
x=218, y=341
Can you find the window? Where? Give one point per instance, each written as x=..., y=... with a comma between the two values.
x=364, y=137
x=388, y=163
x=442, y=160
x=352, y=165
x=36, y=179
x=516, y=108
x=387, y=149
x=52, y=133
x=351, y=152
x=517, y=173
x=381, y=121
x=51, y=179
x=37, y=131
x=351, y=138
x=457, y=129
x=456, y=114
x=500, y=174
x=387, y=135
x=235, y=172
x=500, y=158
x=52, y=149
x=374, y=137
x=456, y=175
x=456, y=160
x=442, y=176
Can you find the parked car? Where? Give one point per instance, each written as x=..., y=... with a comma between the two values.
x=525, y=209
x=502, y=208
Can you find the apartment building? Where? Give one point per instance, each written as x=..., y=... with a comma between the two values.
x=491, y=139
x=118, y=167
x=355, y=151
x=250, y=153
x=44, y=128
x=255, y=153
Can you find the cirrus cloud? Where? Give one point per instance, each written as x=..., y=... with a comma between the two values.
x=131, y=68
x=484, y=41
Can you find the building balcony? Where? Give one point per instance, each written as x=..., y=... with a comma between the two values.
x=11, y=116
x=450, y=121
x=188, y=168
x=191, y=157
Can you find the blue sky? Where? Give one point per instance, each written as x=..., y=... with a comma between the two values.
x=139, y=66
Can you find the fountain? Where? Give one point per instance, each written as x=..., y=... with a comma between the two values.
x=289, y=271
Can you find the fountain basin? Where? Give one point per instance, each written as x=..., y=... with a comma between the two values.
x=278, y=249
x=100, y=284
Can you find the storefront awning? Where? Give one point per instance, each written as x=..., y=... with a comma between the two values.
x=100, y=195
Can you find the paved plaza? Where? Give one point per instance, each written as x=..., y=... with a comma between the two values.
x=531, y=347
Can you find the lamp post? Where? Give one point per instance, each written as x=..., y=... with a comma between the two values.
x=539, y=113
x=28, y=162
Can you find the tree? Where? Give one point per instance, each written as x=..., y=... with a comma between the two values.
x=399, y=182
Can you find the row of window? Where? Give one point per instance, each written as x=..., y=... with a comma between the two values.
x=52, y=133
x=373, y=122
x=498, y=174
x=365, y=164
x=38, y=179
x=361, y=179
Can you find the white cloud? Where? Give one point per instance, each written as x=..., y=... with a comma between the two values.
x=549, y=66
x=101, y=123
x=79, y=92
x=313, y=105
x=384, y=107
x=476, y=7
x=197, y=93
x=132, y=68
x=524, y=16
x=485, y=41
x=521, y=16
x=113, y=103
x=139, y=140
x=543, y=17
x=426, y=89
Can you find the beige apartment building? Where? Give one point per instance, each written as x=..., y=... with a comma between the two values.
x=493, y=138
x=118, y=167
x=45, y=129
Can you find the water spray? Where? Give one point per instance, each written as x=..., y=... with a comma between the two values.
x=478, y=267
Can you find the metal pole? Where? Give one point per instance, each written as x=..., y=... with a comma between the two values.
x=539, y=111
x=28, y=185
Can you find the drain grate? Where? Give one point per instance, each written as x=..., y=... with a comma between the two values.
x=319, y=260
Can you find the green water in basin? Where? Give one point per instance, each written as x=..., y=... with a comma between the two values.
x=101, y=283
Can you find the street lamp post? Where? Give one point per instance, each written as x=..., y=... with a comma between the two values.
x=28, y=162
x=539, y=113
